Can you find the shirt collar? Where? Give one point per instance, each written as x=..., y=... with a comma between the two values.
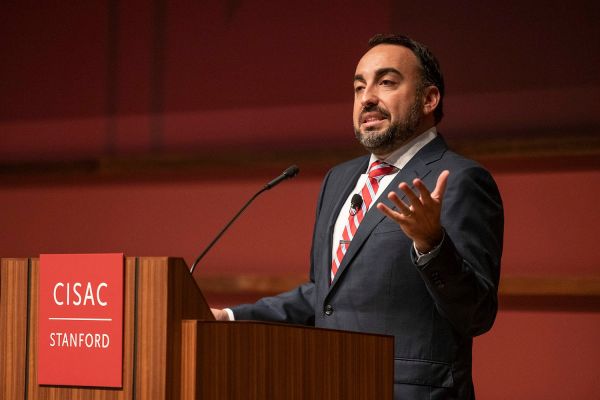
x=402, y=155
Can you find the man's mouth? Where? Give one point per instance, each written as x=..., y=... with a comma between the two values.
x=370, y=119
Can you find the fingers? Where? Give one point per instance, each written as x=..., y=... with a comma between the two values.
x=438, y=191
x=402, y=207
x=415, y=202
x=418, y=217
x=440, y=186
x=388, y=212
x=425, y=199
x=423, y=191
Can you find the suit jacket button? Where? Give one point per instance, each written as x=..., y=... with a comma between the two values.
x=328, y=309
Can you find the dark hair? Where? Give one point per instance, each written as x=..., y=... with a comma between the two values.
x=431, y=73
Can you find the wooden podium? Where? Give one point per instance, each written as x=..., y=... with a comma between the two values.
x=173, y=348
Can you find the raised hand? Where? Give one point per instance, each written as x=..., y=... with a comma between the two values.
x=420, y=219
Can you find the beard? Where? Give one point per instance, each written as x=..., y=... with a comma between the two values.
x=396, y=135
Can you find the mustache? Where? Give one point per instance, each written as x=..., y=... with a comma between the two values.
x=374, y=108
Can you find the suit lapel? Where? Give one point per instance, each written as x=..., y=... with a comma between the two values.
x=418, y=167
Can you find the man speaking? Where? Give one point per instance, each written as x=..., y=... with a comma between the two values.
x=408, y=239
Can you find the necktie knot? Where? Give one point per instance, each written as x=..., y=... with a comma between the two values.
x=379, y=169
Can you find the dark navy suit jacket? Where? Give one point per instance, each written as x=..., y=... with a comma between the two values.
x=433, y=311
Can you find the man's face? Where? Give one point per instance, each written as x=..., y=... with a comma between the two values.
x=388, y=102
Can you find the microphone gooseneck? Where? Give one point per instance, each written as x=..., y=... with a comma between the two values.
x=289, y=173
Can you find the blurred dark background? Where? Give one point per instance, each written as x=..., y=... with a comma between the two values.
x=142, y=126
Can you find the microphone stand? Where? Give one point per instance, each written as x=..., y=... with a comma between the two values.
x=216, y=239
x=290, y=172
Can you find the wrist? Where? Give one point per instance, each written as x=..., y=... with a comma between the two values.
x=427, y=246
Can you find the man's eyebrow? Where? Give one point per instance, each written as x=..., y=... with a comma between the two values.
x=378, y=74
x=359, y=78
x=383, y=71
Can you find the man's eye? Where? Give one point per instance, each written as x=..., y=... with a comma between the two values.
x=359, y=89
x=386, y=82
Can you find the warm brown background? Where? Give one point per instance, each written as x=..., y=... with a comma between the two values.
x=143, y=126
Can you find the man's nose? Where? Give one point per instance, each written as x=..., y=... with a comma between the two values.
x=369, y=97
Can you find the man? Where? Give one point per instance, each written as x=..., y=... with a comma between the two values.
x=424, y=263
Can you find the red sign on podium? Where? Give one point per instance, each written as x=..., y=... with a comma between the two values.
x=80, y=338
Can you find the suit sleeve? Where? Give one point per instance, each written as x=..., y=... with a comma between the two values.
x=296, y=306
x=463, y=278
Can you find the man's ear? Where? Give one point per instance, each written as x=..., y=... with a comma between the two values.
x=431, y=99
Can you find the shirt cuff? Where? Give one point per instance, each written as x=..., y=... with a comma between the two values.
x=423, y=258
x=229, y=314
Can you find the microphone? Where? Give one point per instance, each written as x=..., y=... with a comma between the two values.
x=355, y=203
x=289, y=173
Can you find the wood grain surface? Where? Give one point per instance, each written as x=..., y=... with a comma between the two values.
x=13, y=327
x=259, y=360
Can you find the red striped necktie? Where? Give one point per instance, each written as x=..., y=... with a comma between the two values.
x=377, y=171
